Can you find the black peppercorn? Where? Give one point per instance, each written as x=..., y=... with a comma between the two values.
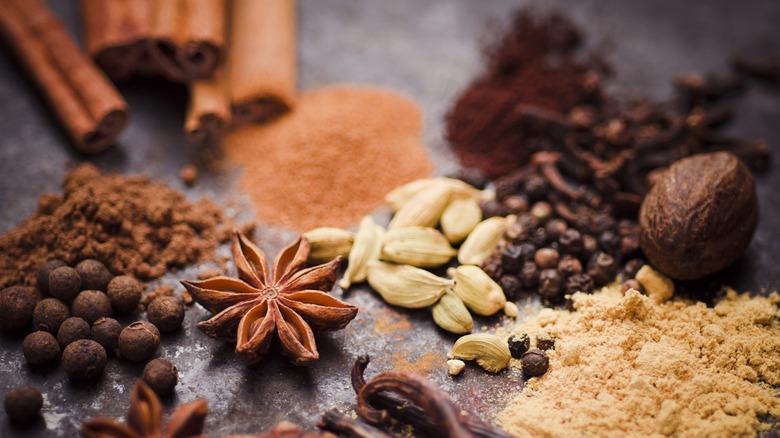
x=94, y=275
x=71, y=330
x=546, y=258
x=632, y=267
x=17, y=304
x=84, y=359
x=609, y=242
x=538, y=237
x=91, y=305
x=40, y=348
x=161, y=375
x=570, y=241
x=518, y=345
x=527, y=251
x=545, y=341
x=125, y=293
x=42, y=278
x=569, y=265
x=105, y=331
x=511, y=286
x=515, y=204
x=166, y=313
x=550, y=283
x=512, y=259
x=516, y=233
x=64, y=283
x=491, y=208
x=528, y=221
x=139, y=341
x=602, y=268
x=579, y=283
x=535, y=363
x=629, y=245
x=602, y=222
x=492, y=267
x=529, y=275
x=589, y=247
x=555, y=228
x=632, y=284
x=535, y=187
x=23, y=403
x=49, y=315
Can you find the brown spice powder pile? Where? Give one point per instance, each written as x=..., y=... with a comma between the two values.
x=628, y=366
x=332, y=160
x=130, y=224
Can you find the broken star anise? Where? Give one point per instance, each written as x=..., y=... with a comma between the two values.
x=291, y=301
x=145, y=419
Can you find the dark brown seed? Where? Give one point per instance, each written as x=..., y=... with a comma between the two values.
x=546, y=258
x=579, y=283
x=550, y=283
x=589, y=246
x=492, y=267
x=40, y=348
x=518, y=345
x=161, y=375
x=535, y=363
x=511, y=286
x=515, y=204
x=71, y=330
x=555, y=228
x=512, y=259
x=632, y=267
x=542, y=211
x=105, y=331
x=23, y=403
x=545, y=341
x=64, y=283
x=529, y=275
x=491, y=208
x=42, y=279
x=49, y=315
x=94, y=275
x=139, y=341
x=125, y=293
x=17, y=304
x=632, y=284
x=516, y=233
x=166, y=313
x=609, y=242
x=570, y=241
x=602, y=268
x=91, y=305
x=569, y=265
x=84, y=359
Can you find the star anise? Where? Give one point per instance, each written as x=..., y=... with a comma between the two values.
x=291, y=301
x=145, y=419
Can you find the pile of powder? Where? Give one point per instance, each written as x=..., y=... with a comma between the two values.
x=533, y=65
x=629, y=366
x=333, y=159
x=130, y=224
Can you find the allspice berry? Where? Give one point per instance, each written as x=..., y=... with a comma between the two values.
x=84, y=359
x=125, y=293
x=518, y=345
x=91, y=305
x=17, y=304
x=23, y=403
x=40, y=348
x=42, y=278
x=139, y=341
x=161, y=375
x=105, y=331
x=535, y=362
x=166, y=313
x=545, y=341
x=49, y=315
x=700, y=216
x=64, y=283
x=71, y=330
x=94, y=275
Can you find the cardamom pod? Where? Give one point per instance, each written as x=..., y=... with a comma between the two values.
x=403, y=194
x=490, y=351
x=327, y=243
x=451, y=314
x=423, y=247
x=459, y=218
x=367, y=247
x=424, y=209
x=406, y=286
x=478, y=291
x=480, y=243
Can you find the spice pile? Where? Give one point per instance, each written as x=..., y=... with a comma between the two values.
x=629, y=364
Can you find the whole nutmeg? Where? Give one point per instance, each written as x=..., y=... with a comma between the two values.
x=700, y=216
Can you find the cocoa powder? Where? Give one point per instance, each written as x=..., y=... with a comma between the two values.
x=132, y=225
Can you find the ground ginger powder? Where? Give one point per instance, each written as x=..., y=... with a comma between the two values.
x=630, y=366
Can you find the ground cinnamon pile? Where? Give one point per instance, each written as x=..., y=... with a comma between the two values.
x=332, y=160
x=132, y=225
x=629, y=366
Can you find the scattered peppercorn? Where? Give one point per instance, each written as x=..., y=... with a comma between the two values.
x=71, y=330
x=105, y=331
x=91, y=305
x=40, y=348
x=518, y=345
x=602, y=268
x=631, y=283
x=161, y=375
x=84, y=359
x=42, y=278
x=550, y=283
x=571, y=241
x=535, y=363
x=511, y=286
x=555, y=228
x=569, y=265
x=529, y=275
x=512, y=258
x=579, y=283
x=125, y=293
x=139, y=341
x=547, y=258
x=49, y=315
x=94, y=275
x=166, y=313
x=632, y=267
x=23, y=403
x=17, y=304
x=545, y=341
x=492, y=267
x=64, y=283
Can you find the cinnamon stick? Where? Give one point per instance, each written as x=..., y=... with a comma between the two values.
x=116, y=34
x=86, y=103
x=208, y=112
x=262, y=59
